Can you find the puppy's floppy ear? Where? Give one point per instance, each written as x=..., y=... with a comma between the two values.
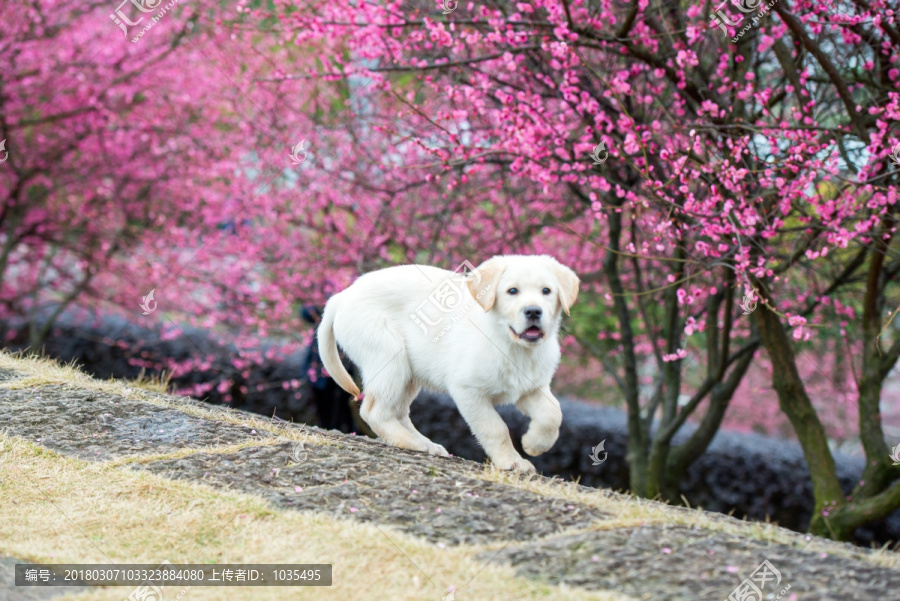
x=568, y=284
x=484, y=280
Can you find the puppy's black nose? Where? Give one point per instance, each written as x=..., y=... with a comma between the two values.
x=533, y=313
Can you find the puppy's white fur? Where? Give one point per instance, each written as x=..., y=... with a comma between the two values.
x=417, y=326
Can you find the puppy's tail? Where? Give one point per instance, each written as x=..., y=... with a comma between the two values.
x=328, y=350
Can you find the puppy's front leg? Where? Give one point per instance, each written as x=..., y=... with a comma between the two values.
x=490, y=430
x=546, y=417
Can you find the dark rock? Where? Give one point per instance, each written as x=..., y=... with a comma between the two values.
x=648, y=562
x=97, y=426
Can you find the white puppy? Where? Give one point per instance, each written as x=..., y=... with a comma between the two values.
x=486, y=338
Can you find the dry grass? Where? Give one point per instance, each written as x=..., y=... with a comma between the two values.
x=63, y=510
x=209, y=449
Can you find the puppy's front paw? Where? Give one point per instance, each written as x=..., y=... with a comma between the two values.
x=535, y=442
x=516, y=464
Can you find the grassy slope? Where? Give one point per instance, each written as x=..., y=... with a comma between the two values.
x=59, y=509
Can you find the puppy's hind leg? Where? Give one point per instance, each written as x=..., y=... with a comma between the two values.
x=412, y=391
x=385, y=403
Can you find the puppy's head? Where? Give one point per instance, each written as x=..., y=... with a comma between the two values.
x=527, y=293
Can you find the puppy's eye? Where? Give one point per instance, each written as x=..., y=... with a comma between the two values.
x=546, y=291
x=513, y=291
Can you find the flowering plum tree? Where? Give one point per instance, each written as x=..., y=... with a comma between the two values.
x=725, y=191
x=677, y=163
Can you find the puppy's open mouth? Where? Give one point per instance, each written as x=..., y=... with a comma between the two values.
x=531, y=334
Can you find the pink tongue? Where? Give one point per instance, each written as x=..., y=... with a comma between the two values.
x=534, y=330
